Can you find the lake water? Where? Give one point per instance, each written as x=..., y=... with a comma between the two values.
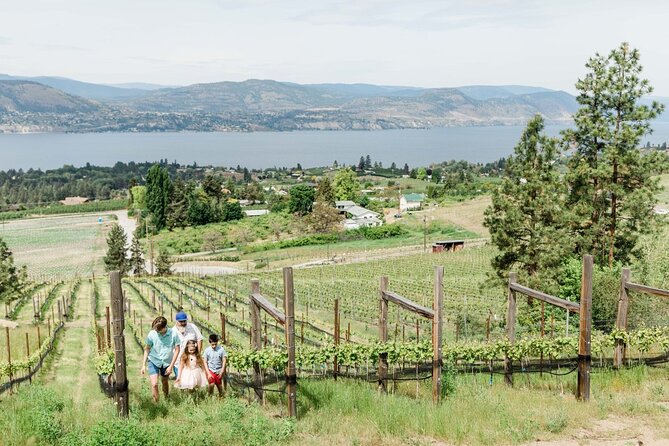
x=268, y=149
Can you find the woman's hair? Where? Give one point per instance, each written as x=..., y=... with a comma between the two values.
x=186, y=355
x=159, y=323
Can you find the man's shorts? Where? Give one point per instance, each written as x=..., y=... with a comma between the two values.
x=214, y=378
x=155, y=370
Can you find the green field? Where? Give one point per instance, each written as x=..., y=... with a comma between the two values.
x=65, y=406
x=58, y=246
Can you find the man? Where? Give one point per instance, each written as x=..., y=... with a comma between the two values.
x=184, y=329
x=160, y=352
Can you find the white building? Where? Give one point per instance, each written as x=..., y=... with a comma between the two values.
x=411, y=201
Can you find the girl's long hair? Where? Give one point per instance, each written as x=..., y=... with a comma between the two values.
x=186, y=356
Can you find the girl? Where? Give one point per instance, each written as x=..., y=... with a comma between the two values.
x=192, y=369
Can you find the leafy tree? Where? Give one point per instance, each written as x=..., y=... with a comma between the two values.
x=421, y=173
x=136, y=265
x=12, y=278
x=115, y=259
x=525, y=217
x=346, y=185
x=301, y=199
x=212, y=240
x=158, y=189
x=325, y=192
x=324, y=217
x=612, y=193
x=202, y=209
x=163, y=264
x=232, y=210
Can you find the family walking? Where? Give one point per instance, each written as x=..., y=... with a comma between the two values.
x=178, y=350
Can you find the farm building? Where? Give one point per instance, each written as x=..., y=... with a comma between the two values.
x=70, y=201
x=411, y=201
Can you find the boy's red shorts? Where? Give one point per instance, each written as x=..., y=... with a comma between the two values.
x=214, y=378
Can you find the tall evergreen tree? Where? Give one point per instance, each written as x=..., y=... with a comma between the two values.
x=12, y=277
x=158, y=190
x=115, y=259
x=163, y=264
x=136, y=265
x=325, y=192
x=525, y=218
x=368, y=162
x=177, y=211
x=611, y=188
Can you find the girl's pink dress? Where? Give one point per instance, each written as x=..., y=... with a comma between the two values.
x=191, y=376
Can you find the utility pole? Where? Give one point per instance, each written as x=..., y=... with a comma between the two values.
x=424, y=233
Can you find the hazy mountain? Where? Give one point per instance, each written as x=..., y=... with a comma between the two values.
x=424, y=107
x=483, y=92
x=97, y=92
x=271, y=105
x=251, y=96
x=365, y=90
x=142, y=86
x=28, y=96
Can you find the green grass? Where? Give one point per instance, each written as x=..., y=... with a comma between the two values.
x=58, y=246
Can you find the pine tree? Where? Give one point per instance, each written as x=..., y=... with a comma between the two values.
x=324, y=192
x=163, y=264
x=136, y=256
x=525, y=218
x=158, y=191
x=12, y=278
x=115, y=259
x=177, y=211
x=611, y=187
x=368, y=162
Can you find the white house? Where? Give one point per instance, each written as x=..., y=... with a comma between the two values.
x=357, y=215
x=411, y=201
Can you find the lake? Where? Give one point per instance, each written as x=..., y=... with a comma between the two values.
x=268, y=149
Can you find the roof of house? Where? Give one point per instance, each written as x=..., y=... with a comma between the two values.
x=256, y=212
x=414, y=197
x=344, y=203
x=68, y=201
x=358, y=211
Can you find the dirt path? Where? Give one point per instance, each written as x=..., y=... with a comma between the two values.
x=615, y=431
x=73, y=372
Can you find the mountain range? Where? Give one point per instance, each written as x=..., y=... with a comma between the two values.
x=60, y=104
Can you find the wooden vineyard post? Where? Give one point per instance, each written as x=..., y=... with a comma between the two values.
x=120, y=372
x=291, y=370
x=30, y=378
x=9, y=359
x=39, y=338
x=584, y=358
x=256, y=338
x=153, y=299
x=621, y=320
x=510, y=330
x=437, y=326
x=60, y=311
x=383, y=334
x=108, y=325
x=335, y=364
x=223, y=340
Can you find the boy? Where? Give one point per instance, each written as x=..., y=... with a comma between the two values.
x=215, y=358
x=161, y=350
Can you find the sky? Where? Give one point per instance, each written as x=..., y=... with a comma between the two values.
x=423, y=43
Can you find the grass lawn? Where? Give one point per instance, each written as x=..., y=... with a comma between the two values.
x=59, y=246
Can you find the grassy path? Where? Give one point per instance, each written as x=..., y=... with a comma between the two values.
x=72, y=374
